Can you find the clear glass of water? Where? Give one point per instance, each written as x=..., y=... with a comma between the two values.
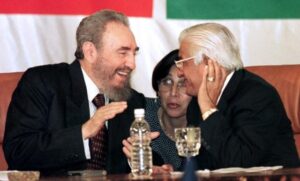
x=188, y=141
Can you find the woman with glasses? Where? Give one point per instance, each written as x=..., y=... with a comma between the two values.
x=168, y=111
x=165, y=114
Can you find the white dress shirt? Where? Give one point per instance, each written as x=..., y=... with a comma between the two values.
x=92, y=91
x=225, y=84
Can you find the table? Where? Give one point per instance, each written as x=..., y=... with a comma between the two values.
x=287, y=174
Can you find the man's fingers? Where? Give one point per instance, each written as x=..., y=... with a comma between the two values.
x=161, y=169
x=126, y=148
x=211, y=70
x=203, y=86
x=109, y=111
x=126, y=152
x=217, y=69
x=113, y=108
x=127, y=145
x=129, y=140
x=204, y=76
x=168, y=167
x=154, y=135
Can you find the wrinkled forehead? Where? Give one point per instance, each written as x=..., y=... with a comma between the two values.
x=186, y=49
x=117, y=35
x=173, y=73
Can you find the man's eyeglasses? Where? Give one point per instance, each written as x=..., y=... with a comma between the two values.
x=179, y=63
x=167, y=84
x=198, y=58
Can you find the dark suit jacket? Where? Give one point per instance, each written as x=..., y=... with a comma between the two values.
x=43, y=127
x=251, y=127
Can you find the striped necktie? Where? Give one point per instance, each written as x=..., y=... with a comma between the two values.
x=99, y=143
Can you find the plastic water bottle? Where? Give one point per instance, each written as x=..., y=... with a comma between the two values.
x=141, y=153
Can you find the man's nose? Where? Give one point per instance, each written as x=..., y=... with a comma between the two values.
x=179, y=72
x=130, y=62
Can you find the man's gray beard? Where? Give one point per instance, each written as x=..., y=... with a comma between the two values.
x=118, y=94
x=113, y=93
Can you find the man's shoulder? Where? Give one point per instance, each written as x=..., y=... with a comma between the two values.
x=137, y=98
x=52, y=75
x=251, y=89
x=49, y=72
x=48, y=69
x=256, y=83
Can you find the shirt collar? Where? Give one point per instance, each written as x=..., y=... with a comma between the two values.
x=227, y=79
x=92, y=89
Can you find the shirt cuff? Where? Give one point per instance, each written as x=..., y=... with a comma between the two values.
x=208, y=113
x=86, y=149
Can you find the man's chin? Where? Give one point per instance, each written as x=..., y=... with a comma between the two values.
x=121, y=85
x=121, y=80
x=119, y=93
x=191, y=92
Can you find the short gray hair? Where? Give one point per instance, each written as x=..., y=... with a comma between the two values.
x=91, y=28
x=214, y=41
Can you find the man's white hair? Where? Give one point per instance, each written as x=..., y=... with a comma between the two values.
x=214, y=41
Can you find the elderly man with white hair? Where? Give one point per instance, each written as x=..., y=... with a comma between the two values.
x=242, y=119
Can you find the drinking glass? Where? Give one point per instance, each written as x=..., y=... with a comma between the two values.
x=188, y=141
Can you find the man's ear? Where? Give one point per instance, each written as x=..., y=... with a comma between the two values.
x=201, y=56
x=89, y=51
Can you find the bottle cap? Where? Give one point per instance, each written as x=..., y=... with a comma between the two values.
x=139, y=112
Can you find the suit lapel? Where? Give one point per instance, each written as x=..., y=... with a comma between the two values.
x=230, y=89
x=193, y=113
x=77, y=107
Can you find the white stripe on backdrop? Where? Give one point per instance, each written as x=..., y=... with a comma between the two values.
x=30, y=40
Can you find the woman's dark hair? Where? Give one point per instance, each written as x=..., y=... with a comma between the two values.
x=163, y=67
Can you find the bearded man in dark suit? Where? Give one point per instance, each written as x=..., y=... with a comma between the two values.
x=52, y=119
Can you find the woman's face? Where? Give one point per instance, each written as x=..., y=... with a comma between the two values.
x=172, y=93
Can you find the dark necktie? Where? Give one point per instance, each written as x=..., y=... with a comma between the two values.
x=98, y=144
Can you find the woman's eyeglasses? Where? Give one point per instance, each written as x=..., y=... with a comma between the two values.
x=167, y=84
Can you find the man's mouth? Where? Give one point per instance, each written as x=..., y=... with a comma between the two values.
x=123, y=72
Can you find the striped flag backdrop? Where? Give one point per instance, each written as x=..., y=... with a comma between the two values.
x=36, y=32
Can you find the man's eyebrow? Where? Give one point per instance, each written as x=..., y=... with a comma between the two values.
x=128, y=48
